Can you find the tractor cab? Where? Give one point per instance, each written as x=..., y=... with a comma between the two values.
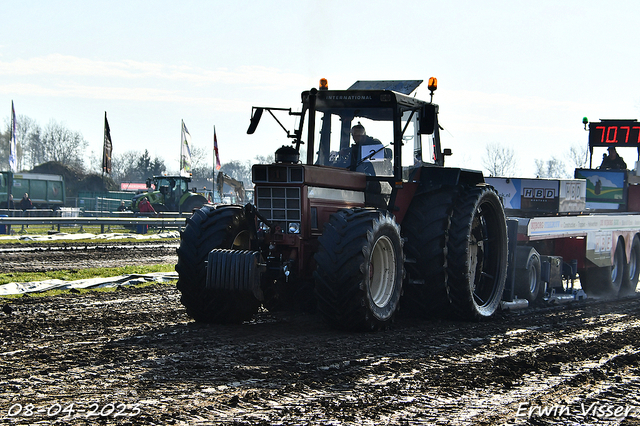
x=368, y=126
x=374, y=127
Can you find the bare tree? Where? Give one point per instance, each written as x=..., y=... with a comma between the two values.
x=553, y=168
x=264, y=159
x=499, y=160
x=63, y=145
x=200, y=169
x=579, y=156
x=27, y=130
x=239, y=171
x=123, y=165
x=30, y=149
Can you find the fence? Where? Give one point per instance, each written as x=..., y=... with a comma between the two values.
x=108, y=201
x=9, y=218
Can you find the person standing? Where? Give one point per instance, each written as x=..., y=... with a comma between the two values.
x=146, y=207
x=10, y=204
x=25, y=202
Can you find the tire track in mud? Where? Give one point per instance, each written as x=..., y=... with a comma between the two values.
x=136, y=346
x=51, y=257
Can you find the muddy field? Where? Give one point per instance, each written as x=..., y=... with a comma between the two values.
x=71, y=255
x=133, y=357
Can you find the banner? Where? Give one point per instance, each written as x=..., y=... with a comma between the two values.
x=13, y=146
x=133, y=186
x=215, y=148
x=185, y=152
x=106, y=153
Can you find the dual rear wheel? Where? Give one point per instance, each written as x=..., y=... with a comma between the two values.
x=457, y=246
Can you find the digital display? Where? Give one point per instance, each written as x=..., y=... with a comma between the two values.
x=614, y=133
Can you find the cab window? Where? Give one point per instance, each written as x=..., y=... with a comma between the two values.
x=359, y=140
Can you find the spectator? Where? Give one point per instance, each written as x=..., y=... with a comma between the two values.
x=146, y=207
x=122, y=207
x=25, y=202
x=10, y=204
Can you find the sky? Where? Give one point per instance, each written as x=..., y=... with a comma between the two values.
x=518, y=74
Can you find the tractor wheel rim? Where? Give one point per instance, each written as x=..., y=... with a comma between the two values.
x=382, y=271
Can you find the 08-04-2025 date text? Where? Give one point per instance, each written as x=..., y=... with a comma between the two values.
x=71, y=410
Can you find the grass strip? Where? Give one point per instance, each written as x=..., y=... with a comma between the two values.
x=82, y=274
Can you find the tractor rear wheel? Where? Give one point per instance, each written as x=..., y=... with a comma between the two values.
x=209, y=228
x=425, y=229
x=359, y=269
x=477, y=254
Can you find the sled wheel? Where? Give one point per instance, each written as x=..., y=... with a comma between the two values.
x=605, y=281
x=632, y=270
x=528, y=269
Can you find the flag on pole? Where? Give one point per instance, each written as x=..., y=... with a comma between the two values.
x=13, y=145
x=106, y=152
x=215, y=148
x=185, y=152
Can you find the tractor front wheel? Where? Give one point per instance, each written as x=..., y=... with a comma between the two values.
x=359, y=269
x=209, y=228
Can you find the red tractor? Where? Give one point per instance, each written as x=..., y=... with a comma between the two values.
x=357, y=229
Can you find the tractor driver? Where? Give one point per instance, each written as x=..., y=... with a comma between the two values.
x=171, y=198
x=364, y=147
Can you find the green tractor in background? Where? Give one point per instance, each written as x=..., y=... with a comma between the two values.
x=169, y=194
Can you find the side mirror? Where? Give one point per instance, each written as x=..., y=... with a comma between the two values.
x=447, y=152
x=255, y=119
x=428, y=119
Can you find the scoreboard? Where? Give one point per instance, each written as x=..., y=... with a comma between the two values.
x=619, y=133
